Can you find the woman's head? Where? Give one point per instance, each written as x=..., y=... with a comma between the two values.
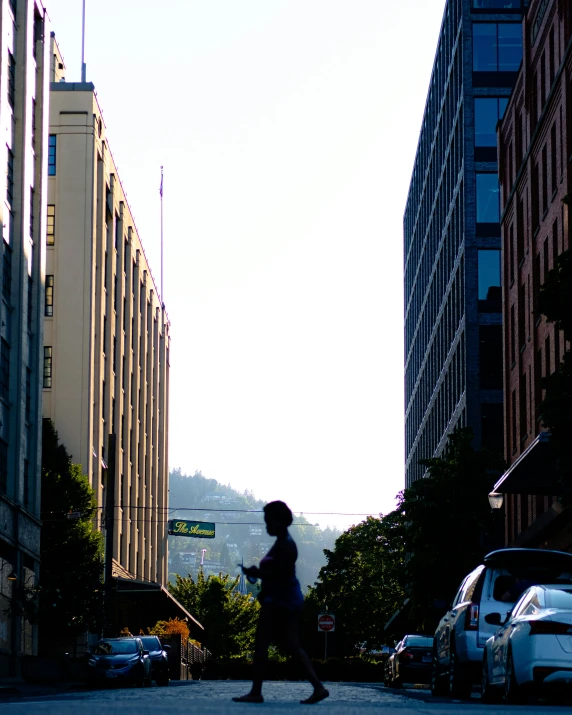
x=277, y=516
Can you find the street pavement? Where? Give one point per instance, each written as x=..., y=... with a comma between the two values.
x=214, y=698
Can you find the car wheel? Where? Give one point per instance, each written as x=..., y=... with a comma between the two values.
x=459, y=683
x=489, y=694
x=438, y=683
x=512, y=690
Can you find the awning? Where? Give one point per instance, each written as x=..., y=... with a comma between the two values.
x=140, y=604
x=534, y=472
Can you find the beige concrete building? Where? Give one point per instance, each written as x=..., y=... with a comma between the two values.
x=106, y=343
x=24, y=91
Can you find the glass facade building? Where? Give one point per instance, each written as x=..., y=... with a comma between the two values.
x=452, y=236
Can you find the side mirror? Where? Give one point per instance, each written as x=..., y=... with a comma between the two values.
x=493, y=619
x=145, y=652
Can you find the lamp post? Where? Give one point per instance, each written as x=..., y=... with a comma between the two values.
x=496, y=500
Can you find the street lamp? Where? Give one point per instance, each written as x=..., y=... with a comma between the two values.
x=496, y=500
x=12, y=576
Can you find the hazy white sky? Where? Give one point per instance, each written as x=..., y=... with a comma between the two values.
x=287, y=129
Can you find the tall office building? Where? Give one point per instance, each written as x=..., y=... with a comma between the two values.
x=24, y=64
x=106, y=346
x=535, y=141
x=453, y=333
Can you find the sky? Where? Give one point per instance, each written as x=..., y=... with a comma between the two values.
x=287, y=130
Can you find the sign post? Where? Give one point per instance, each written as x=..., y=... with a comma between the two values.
x=326, y=624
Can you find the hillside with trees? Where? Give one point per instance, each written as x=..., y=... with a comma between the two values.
x=240, y=531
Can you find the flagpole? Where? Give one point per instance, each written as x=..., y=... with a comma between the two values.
x=161, y=192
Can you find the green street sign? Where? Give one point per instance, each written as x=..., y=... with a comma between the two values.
x=195, y=529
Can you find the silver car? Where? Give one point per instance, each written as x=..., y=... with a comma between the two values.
x=493, y=587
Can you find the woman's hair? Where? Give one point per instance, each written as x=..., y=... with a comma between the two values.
x=278, y=512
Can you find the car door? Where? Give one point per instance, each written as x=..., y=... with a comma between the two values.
x=443, y=633
x=502, y=637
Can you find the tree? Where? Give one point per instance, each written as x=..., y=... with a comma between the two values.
x=447, y=523
x=71, y=566
x=171, y=627
x=555, y=301
x=229, y=617
x=440, y=531
x=362, y=583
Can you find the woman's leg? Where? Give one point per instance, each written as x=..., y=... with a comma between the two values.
x=262, y=643
x=295, y=647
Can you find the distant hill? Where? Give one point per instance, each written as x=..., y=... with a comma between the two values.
x=239, y=534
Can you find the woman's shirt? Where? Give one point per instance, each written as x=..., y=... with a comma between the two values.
x=278, y=575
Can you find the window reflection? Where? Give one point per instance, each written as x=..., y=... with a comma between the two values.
x=488, y=198
x=489, y=281
x=497, y=4
x=497, y=47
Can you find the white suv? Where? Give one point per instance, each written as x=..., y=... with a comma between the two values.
x=493, y=587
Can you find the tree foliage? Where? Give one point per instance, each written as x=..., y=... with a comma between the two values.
x=441, y=529
x=171, y=627
x=448, y=525
x=361, y=583
x=229, y=617
x=71, y=567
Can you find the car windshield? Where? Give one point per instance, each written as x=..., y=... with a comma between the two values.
x=116, y=647
x=151, y=643
x=559, y=598
x=418, y=642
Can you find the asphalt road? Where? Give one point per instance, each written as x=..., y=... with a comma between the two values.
x=214, y=698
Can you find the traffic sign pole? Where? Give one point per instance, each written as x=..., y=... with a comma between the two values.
x=326, y=623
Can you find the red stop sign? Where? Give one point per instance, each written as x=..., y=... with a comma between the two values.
x=326, y=622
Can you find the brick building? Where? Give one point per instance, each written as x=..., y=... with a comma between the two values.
x=535, y=148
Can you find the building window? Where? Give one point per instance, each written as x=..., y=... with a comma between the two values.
x=488, y=110
x=490, y=357
x=3, y=466
x=49, y=305
x=51, y=225
x=489, y=281
x=31, y=213
x=28, y=394
x=52, y=155
x=30, y=302
x=488, y=198
x=26, y=484
x=7, y=273
x=497, y=4
x=4, y=369
x=10, y=177
x=11, y=78
x=33, y=124
x=497, y=47
x=47, y=366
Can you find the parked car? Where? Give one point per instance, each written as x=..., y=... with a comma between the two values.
x=411, y=662
x=532, y=649
x=120, y=659
x=493, y=587
x=159, y=659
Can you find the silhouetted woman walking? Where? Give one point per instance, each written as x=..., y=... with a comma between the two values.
x=281, y=601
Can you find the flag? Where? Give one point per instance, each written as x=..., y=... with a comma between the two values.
x=161, y=187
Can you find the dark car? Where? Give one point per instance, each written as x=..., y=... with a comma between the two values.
x=411, y=662
x=120, y=659
x=159, y=659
